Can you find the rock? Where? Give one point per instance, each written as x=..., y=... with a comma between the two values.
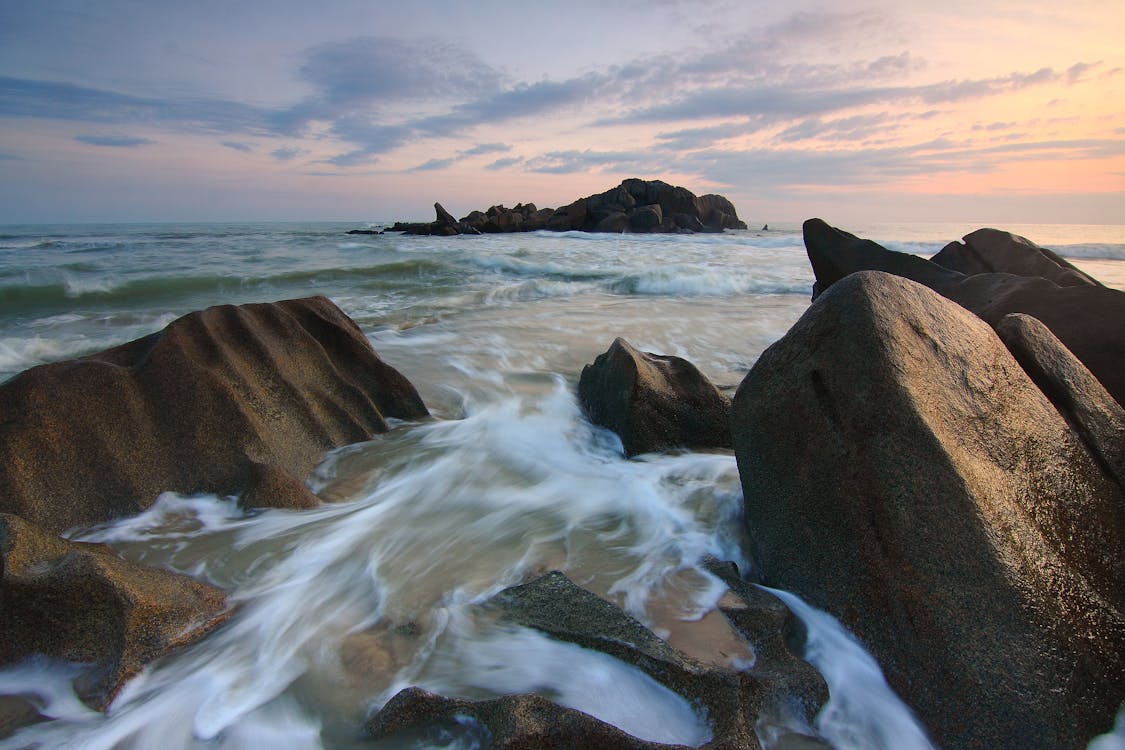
x=654, y=402
x=903, y=473
x=732, y=701
x=646, y=218
x=513, y=722
x=1085, y=317
x=676, y=209
x=614, y=223
x=364, y=231
x=996, y=251
x=443, y=216
x=229, y=400
x=80, y=602
x=1089, y=410
x=778, y=684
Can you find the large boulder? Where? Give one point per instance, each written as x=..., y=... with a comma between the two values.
x=778, y=684
x=997, y=251
x=229, y=400
x=81, y=603
x=1086, y=317
x=654, y=402
x=901, y=471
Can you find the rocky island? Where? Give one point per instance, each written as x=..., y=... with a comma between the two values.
x=637, y=206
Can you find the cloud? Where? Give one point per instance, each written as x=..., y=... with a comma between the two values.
x=116, y=141
x=370, y=70
x=505, y=163
x=433, y=165
x=238, y=146
x=569, y=162
x=486, y=148
x=287, y=153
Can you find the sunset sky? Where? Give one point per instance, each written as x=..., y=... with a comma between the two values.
x=152, y=110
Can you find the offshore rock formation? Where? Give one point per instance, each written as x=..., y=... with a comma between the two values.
x=902, y=471
x=1084, y=315
x=81, y=603
x=638, y=206
x=228, y=400
x=732, y=701
x=654, y=402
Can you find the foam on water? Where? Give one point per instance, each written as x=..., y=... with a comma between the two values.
x=862, y=712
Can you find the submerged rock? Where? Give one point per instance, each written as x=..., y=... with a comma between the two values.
x=513, y=722
x=902, y=472
x=229, y=400
x=654, y=402
x=731, y=701
x=81, y=603
x=1085, y=316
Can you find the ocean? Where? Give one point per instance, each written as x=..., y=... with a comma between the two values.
x=344, y=605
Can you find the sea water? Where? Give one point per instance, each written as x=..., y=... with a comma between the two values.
x=341, y=606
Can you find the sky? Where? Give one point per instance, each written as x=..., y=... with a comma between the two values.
x=366, y=110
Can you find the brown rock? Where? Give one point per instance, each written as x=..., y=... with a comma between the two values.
x=654, y=402
x=646, y=218
x=902, y=472
x=613, y=223
x=220, y=401
x=1088, y=408
x=80, y=602
x=1086, y=318
x=996, y=251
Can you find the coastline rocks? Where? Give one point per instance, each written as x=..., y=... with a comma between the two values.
x=996, y=251
x=732, y=702
x=228, y=400
x=639, y=206
x=901, y=471
x=653, y=402
x=79, y=602
x=1086, y=317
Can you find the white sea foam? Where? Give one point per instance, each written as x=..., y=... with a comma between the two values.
x=513, y=660
x=862, y=712
x=1114, y=739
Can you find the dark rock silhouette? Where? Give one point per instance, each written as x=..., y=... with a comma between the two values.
x=901, y=471
x=229, y=400
x=1084, y=315
x=654, y=402
x=81, y=603
x=638, y=206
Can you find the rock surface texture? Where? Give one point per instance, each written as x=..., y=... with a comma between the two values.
x=902, y=472
x=232, y=399
x=654, y=402
x=638, y=206
x=80, y=602
x=731, y=701
x=1084, y=315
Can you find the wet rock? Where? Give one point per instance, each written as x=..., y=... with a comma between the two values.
x=996, y=251
x=613, y=223
x=80, y=602
x=654, y=402
x=733, y=702
x=229, y=400
x=1085, y=317
x=903, y=473
x=513, y=722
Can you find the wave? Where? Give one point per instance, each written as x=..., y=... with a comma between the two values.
x=518, y=267
x=688, y=281
x=1092, y=251
x=110, y=290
